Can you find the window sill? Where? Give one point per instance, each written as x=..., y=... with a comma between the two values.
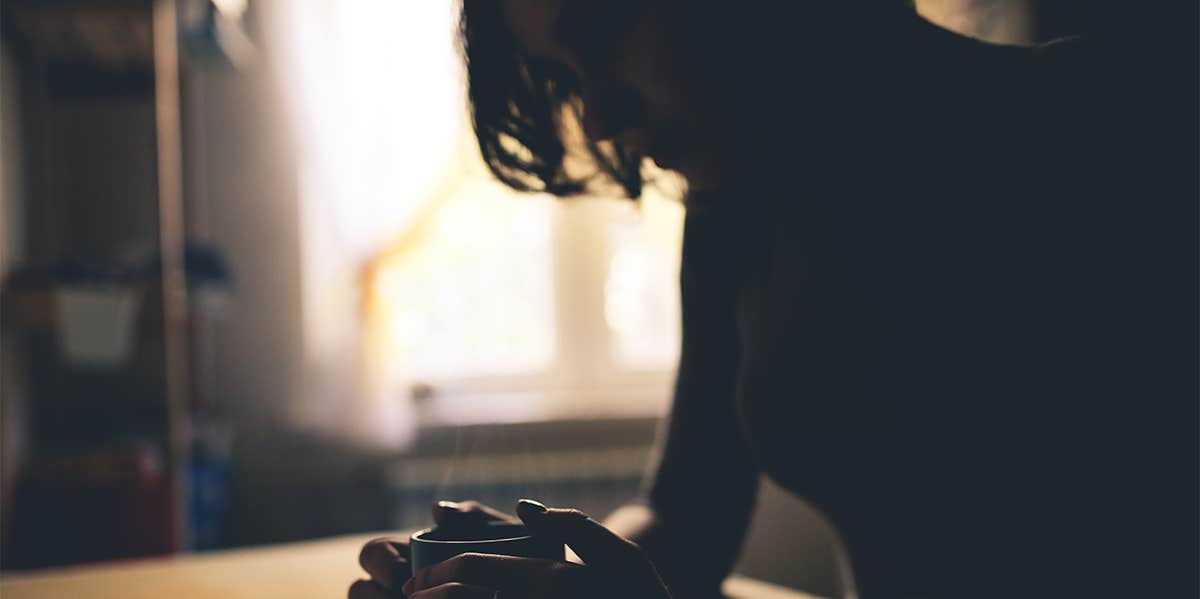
x=639, y=400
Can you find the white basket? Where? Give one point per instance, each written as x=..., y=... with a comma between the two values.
x=96, y=324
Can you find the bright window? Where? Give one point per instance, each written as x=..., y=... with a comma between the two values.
x=475, y=296
x=495, y=305
x=508, y=306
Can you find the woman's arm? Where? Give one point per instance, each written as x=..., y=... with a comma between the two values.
x=702, y=492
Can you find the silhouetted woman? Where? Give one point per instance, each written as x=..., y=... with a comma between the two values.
x=946, y=291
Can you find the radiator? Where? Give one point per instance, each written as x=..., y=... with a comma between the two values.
x=594, y=480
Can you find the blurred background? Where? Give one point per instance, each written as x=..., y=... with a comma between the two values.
x=257, y=286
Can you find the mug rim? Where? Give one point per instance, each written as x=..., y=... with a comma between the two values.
x=419, y=536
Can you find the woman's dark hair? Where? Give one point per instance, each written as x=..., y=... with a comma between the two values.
x=520, y=108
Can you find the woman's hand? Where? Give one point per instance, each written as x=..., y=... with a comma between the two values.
x=612, y=566
x=386, y=559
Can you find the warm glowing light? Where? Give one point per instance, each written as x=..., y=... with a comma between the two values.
x=641, y=292
x=476, y=297
x=233, y=9
x=464, y=282
x=380, y=113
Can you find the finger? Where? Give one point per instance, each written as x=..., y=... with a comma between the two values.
x=386, y=561
x=502, y=572
x=365, y=589
x=455, y=590
x=467, y=513
x=595, y=544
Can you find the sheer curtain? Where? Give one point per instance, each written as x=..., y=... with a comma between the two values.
x=374, y=92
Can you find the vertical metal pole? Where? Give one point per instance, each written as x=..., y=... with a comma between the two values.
x=171, y=240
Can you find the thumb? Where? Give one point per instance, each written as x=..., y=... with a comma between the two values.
x=590, y=540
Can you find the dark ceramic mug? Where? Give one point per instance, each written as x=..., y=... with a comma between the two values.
x=432, y=545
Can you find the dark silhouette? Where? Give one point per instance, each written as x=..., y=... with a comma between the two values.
x=945, y=290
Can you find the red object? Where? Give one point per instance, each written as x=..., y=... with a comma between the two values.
x=107, y=505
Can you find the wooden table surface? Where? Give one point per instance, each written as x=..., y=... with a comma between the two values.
x=313, y=569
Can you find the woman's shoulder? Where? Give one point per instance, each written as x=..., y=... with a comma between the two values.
x=1113, y=75
x=1109, y=108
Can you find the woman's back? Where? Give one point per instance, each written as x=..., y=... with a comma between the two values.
x=966, y=325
